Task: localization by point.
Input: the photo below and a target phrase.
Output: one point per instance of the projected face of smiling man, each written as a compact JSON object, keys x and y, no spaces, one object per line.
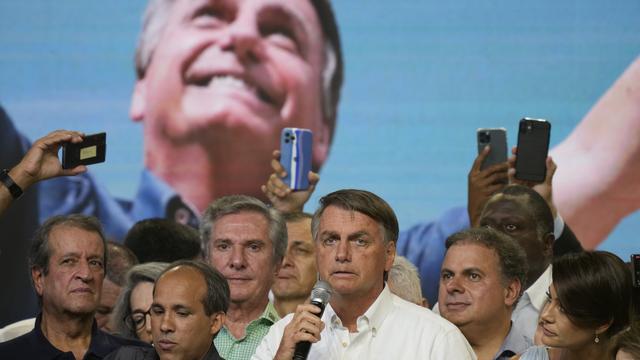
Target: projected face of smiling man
{"x":218,"y":80}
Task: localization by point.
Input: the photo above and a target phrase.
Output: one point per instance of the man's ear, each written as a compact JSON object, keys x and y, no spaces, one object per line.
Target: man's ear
{"x":321,"y":144}
{"x":138,"y":101}
{"x":512,"y":292}
{"x":391,"y":255}
{"x":37,"y":275}
{"x":217,"y":320}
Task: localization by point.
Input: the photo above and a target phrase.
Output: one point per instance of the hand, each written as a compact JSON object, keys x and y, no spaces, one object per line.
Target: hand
{"x":281,"y":196}
{"x":545,"y":188}
{"x":41,"y":161}
{"x":482,"y":184}
{"x":304,"y":326}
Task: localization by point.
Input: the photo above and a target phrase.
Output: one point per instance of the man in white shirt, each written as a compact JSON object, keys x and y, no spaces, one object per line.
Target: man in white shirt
{"x":355,"y":234}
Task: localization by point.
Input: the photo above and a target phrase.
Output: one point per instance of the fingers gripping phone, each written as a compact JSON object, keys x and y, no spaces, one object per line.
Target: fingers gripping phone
{"x":533,"y":147}
{"x":91,"y":150}
{"x":295,"y":156}
{"x":496,"y":138}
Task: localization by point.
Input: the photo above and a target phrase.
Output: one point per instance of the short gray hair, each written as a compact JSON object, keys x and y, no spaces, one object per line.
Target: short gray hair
{"x":147,"y":272}
{"x":234,"y":204}
{"x":511,"y":257}
{"x":404,"y":280}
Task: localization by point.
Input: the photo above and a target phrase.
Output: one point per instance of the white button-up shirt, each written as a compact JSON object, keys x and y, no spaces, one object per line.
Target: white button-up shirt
{"x":391,"y":328}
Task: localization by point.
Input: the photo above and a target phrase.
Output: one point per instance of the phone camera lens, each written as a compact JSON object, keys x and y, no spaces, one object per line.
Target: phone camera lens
{"x":485,"y":137}
{"x":293,"y":137}
{"x":286,"y":141}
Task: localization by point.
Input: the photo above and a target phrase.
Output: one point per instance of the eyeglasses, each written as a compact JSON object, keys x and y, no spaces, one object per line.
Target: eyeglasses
{"x":136,"y":320}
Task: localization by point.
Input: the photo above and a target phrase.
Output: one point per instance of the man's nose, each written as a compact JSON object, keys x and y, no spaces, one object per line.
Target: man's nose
{"x":343,"y":251}
{"x":83,"y":271}
{"x":238,"y":259}
{"x":166,"y":322}
{"x":453,"y":285}
{"x":243,"y":38}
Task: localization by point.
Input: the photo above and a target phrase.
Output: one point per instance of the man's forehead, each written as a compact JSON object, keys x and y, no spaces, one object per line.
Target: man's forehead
{"x":513,"y":205}
{"x":68,"y":238}
{"x":470,"y":255}
{"x":184,"y":278}
{"x":302,"y":10}
{"x":245,"y":221}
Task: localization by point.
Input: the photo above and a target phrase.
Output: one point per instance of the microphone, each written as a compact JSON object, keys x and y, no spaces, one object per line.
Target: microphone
{"x":319,"y":297}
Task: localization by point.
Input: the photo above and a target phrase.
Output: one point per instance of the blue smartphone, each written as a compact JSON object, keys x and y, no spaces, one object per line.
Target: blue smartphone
{"x":295,"y":156}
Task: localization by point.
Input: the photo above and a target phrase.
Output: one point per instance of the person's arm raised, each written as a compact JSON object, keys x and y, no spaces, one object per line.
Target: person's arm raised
{"x":40,"y":163}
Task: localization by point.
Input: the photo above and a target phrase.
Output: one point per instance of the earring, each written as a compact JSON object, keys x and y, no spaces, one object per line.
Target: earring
{"x":597,"y":339}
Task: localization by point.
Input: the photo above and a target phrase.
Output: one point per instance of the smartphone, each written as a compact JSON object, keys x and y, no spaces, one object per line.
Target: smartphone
{"x":635,"y":269}
{"x":496,"y":138}
{"x":295,"y":156}
{"x":533,"y":146}
{"x":91,"y":150}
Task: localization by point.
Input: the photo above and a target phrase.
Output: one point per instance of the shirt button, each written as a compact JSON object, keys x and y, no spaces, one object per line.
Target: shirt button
{"x":344,"y":344}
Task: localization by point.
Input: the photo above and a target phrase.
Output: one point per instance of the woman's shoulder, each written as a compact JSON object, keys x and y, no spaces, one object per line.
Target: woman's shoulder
{"x":535,"y":353}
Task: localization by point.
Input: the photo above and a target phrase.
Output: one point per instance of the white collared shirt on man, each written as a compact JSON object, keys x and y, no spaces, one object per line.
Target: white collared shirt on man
{"x":391,"y":328}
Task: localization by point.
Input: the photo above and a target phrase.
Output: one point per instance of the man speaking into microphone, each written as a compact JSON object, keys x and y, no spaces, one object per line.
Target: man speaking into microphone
{"x":355,"y":235}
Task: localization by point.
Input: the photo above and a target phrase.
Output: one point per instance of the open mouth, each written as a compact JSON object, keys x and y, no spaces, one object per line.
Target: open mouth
{"x":229,"y":81}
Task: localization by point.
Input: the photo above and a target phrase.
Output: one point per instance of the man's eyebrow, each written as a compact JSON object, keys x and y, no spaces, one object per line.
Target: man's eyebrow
{"x":358,"y":234}
{"x":472,"y":270}
{"x":178,"y":307}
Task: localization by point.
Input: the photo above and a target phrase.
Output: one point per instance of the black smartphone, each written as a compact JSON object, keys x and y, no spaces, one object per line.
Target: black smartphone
{"x":533,"y":147}
{"x":496,"y":138}
{"x":91,"y":150}
{"x":635,"y":269}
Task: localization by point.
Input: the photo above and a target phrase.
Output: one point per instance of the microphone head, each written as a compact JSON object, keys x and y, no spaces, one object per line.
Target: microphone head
{"x":321,"y":292}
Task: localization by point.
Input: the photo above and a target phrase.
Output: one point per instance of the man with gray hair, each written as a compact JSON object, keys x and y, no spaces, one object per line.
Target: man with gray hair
{"x":67,"y":260}
{"x":246,"y":241}
{"x":355,"y":234}
{"x":482,"y":278}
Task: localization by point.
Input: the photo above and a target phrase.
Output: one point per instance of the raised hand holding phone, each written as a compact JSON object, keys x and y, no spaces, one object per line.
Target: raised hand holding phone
{"x":295,"y":156}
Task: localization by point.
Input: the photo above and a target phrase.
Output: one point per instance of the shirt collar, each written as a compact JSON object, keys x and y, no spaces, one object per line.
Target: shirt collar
{"x":99,"y":344}
{"x":270,"y":314}
{"x":156,"y":199}
{"x":372,"y":318}
{"x":514,"y":343}
{"x":538,"y":290}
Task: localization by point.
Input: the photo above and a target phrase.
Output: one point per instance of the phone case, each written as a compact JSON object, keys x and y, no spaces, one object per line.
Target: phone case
{"x":295,"y":156}
{"x":92,"y":150}
{"x":533,"y":146}
{"x":496,"y":138}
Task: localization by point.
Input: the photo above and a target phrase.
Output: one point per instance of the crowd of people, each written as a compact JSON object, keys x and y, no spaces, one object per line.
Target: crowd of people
{"x":215,"y":258}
